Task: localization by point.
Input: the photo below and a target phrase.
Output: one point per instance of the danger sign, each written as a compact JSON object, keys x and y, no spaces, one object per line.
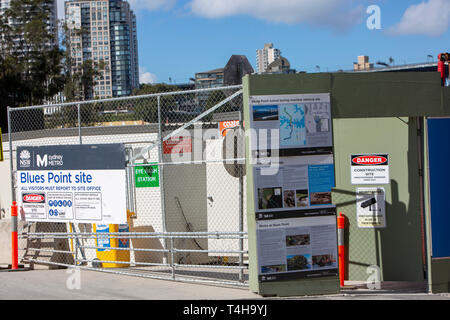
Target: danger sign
{"x":370,"y":169}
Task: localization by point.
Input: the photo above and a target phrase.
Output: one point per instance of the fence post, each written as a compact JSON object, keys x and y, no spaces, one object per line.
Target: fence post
{"x":11,"y":161}
{"x":79,"y":123}
{"x":76,"y":250}
{"x":14,"y":209}
{"x":161,"y":176}
{"x":241,"y":202}
{"x":172,"y":253}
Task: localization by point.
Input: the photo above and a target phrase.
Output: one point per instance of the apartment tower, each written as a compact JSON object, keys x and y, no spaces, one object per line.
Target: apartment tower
{"x":266,"y":56}
{"x":105,"y":32}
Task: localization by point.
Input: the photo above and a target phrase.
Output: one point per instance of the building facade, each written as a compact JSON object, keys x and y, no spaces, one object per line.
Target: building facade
{"x":280,"y":65}
{"x":104,"y":32}
{"x":209,"y":79}
{"x":266,"y":56}
{"x":363,"y":64}
{"x":50,"y":21}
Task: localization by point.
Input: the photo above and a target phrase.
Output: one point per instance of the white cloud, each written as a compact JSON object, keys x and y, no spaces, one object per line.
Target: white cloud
{"x":146,"y":77}
{"x":331,"y":13}
{"x":430,"y":17}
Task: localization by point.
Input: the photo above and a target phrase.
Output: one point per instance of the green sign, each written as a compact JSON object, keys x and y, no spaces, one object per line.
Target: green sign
{"x":146,"y":177}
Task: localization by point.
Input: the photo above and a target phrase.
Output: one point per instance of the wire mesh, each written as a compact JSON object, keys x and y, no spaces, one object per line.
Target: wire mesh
{"x":364,"y":249}
{"x":177,"y":182}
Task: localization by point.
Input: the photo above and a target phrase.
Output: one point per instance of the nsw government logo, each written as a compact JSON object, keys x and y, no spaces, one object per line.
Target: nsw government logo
{"x":25,"y":159}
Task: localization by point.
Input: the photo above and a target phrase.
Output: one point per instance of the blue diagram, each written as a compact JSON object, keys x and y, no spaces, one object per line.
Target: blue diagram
{"x":292,"y":125}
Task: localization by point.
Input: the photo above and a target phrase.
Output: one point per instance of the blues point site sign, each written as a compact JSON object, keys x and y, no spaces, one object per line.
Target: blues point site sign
{"x":72,"y":183}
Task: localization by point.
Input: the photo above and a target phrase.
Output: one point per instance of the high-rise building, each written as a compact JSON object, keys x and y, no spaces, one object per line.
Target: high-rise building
{"x":362,"y":64}
{"x":105,"y":31}
{"x":50,"y":21}
{"x":266,"y":56}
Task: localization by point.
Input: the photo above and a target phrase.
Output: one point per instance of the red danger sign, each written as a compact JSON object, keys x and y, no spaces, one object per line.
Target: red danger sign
{"x":370,"y":169}
{"x":369,"y":160}
{"x":33,"y":198}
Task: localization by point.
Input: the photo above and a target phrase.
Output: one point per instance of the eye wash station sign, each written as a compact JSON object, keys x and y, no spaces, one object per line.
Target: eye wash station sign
{"x":72,"y":183}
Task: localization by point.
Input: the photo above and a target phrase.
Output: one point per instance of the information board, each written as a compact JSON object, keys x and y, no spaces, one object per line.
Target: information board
{"x":72,"y":183}
{"x":302,"y":123}
{"x":293,"y":175}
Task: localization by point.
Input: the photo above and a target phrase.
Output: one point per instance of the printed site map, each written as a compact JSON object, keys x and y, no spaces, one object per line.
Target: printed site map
{"x":292,"y":125}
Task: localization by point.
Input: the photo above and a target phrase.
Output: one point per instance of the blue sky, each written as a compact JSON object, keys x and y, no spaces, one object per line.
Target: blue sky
{"x":178,"y":38}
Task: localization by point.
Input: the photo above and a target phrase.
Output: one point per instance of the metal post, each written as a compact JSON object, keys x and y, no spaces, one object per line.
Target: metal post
{"x":76,"y":251}
{"x":241,"y":202}
{"x":79,"y":124}
{"x":172,"y":254}
{"x":161,"y":176}
{"x":127,"y":177}
{"x":11,"y":163}
{"x":130,"y":180}
{"x":14,"y":209}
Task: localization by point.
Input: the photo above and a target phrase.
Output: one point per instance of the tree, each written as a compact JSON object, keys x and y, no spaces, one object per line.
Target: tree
{"x":213,"y":99}
{"x":30,"y":61}
{"x":147,"y":109}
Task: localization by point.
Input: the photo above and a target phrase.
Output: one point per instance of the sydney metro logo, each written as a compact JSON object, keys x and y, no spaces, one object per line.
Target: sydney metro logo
{"x":370,"y":160}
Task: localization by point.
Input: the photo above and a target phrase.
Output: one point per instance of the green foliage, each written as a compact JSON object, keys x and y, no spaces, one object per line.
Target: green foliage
{"x":34,"y":69}
{"x":30,"y":66}
{"x":147,"y":109}
{"x":154,"y":88}
{"x":213,"y":99}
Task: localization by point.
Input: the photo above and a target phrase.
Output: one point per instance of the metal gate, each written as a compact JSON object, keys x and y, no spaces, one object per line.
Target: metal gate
{"x":187,"y":223}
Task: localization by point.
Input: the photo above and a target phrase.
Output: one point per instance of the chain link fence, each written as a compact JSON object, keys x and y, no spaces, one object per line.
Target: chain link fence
{"x":186,"y":222}
{"x":364,"y":250}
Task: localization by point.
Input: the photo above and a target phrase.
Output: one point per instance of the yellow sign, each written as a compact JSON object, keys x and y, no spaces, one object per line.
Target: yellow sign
{"x":1,"y":146}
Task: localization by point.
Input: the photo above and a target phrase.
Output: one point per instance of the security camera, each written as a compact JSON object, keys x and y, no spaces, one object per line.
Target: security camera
{"x":368,"y":203}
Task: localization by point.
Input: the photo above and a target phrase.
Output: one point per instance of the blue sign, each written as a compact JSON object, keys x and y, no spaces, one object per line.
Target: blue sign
{"x":438,"y":154}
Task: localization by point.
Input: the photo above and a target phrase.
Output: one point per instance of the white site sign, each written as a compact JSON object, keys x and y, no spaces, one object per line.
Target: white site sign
{"x":369,"y":169}
{"x":72,"y":183}
{"x":371,"y":207}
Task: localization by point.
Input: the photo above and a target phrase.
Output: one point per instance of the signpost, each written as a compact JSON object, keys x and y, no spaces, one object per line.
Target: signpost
{"x":72,"y":183}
